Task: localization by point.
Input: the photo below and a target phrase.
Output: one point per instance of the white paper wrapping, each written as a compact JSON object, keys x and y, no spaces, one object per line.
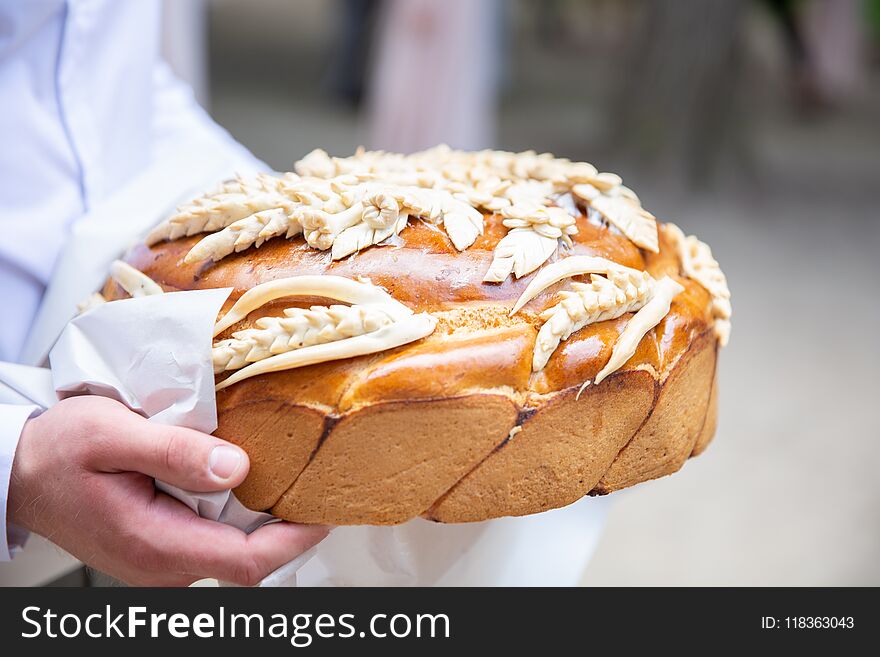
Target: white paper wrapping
{"x":153,"y":354}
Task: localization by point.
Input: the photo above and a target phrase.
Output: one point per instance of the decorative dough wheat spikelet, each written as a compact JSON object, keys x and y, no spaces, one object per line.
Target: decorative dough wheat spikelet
{"x":654,"y":300}
{"x":698,"y":264}
{"x":651,"y":314}
{"x":355,"y":292}
{"x":231,"y":201}
{"x":276,"y":215}
{"x":298,"y":328}
{"x":261,"y":182}
{"x":587,"y":303}
{"x":398,"y":332}
{"x":375,"y":322}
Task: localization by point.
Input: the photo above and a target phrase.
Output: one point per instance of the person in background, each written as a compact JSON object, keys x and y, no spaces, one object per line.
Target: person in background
{"x":90,"y":105}
{"x":434,"y":75}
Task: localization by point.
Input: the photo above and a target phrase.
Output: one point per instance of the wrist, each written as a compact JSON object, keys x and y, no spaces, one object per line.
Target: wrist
{"x":21,"y":479}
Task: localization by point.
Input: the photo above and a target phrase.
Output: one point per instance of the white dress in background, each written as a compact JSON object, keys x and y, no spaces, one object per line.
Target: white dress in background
{"x":434,"y":75}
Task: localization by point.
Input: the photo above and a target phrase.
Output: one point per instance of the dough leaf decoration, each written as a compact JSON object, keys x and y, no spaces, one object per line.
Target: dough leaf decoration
{"x":133,"y":281}
{"x":535,"y":233}
{"x":621,"y":207}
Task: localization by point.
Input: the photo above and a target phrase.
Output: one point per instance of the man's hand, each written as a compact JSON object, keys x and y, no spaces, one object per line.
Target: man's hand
{"x":83,"y":478}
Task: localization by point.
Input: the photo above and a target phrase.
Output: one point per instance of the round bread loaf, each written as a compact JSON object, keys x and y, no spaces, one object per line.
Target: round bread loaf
{"x":460,"y":425}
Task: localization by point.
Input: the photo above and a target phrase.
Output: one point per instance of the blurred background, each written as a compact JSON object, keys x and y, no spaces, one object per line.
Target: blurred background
{"x":753,"y":123}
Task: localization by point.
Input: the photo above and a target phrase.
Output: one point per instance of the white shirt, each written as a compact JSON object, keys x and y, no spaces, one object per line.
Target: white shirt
{"x":88,"y":105}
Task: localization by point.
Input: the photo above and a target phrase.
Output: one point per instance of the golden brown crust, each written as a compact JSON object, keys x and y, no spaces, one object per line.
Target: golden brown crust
{"x":387,"y":463}
{"x":427,"y":273}
{"x":668,"y":437}
{"x":565,"y":445}
{"x":710,"y":424}
{"x":486,"y":360}
{"x":279,"y":438}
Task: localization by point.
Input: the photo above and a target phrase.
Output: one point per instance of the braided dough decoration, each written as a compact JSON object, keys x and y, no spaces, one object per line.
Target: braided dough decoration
{"x":588,"y":303}
{"x":230,"y":202}
{"x":643,"y":321}
{"x":375,"y":322}
{"x":698,"y":264}
{"x":298,"y":328}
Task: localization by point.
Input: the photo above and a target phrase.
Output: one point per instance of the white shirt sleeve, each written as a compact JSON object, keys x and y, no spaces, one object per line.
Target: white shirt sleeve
{"x":12,"y":419}
{"x":177,"y":115}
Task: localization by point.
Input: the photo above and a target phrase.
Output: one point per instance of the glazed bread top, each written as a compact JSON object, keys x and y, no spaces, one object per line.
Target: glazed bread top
{"x":477,"y":345}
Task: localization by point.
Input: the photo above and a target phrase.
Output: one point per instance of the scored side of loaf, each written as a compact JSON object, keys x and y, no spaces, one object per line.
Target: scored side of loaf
{"x":629,"y":429}
{"x":711,"y":423}
{"x":668,"y":438}
{"x":387,"y":463}
{"x":563,"y":449}
{"x":451,"y":459}
{"x":279,"y":438}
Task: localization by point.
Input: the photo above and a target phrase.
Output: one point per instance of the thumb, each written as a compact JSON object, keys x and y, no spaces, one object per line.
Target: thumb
{"x":182,"y":457}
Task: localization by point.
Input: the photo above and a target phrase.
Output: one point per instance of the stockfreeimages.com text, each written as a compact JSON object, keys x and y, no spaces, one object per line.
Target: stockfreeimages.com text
{"x":299,"y":629}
